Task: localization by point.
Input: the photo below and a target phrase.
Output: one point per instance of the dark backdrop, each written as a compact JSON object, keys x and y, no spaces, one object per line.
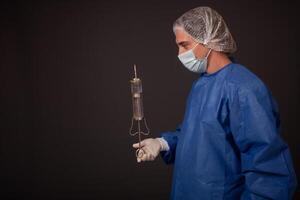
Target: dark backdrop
{"x":65,"y":96}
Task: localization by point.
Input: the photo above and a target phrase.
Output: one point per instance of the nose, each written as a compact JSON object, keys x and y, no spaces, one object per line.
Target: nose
{"x":181,"y":50}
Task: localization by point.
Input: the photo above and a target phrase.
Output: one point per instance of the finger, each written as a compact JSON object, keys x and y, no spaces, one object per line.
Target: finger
{"x":152,"y":157}
{"x":137,"y":145}
{"x":146,"y":149}
{"x":144,"y":157}
{"x":149,"y":157}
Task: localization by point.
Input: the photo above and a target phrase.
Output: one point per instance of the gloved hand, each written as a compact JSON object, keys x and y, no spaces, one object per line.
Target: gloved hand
{"x":151,"y":148}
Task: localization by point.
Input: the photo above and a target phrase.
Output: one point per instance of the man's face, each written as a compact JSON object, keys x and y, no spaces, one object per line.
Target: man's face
{"x":185,"y":42}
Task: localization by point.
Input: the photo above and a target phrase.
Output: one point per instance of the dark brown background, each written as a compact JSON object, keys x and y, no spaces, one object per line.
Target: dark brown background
{"x":65,"y":97}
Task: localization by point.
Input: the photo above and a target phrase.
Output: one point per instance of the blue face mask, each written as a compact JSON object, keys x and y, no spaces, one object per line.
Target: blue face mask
{"x":189,"y":60}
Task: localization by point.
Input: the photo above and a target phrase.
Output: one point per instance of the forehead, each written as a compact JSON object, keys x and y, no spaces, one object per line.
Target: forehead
{"x":181,"y":36}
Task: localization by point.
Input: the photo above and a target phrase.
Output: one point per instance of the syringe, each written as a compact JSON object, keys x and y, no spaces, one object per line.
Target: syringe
{"x":138,"y":112}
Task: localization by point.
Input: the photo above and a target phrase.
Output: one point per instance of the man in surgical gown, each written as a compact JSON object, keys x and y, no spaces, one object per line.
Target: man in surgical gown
{"x":228,"y":145}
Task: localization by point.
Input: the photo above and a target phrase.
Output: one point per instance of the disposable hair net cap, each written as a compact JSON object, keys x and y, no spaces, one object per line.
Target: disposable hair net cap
{"x":207,"y":27}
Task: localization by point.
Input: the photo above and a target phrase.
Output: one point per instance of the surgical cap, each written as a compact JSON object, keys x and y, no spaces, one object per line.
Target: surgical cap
{"x":207,"y":27}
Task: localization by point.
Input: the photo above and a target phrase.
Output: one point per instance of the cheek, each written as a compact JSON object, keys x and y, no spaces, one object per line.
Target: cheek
{"x":198,"y":54}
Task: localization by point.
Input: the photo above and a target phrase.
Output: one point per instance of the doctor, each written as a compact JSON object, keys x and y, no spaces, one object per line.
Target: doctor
{"x":228,"y":145}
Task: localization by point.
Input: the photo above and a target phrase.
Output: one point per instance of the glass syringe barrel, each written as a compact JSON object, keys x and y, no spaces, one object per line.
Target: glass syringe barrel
{"x":137,"y":99}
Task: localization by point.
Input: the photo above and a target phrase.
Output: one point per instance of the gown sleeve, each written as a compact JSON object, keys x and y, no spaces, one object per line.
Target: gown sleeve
{"x":171,"y":138}
{"x":265,"y":158}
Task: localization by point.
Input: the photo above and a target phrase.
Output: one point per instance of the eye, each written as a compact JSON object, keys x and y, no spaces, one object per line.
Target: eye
{"x":185,"y":46}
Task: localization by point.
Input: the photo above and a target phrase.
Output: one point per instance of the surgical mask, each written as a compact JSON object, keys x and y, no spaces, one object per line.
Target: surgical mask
{"x":189,"y":60}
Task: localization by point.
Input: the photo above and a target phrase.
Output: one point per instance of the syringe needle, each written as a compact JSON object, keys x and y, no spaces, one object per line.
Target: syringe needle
{"x":134,"y":66}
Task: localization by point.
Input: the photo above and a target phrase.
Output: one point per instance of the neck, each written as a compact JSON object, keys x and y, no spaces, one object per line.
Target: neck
{"x":216,"y":61}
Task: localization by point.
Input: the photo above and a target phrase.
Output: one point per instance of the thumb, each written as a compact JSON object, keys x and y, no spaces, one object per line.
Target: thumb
{"x":137,"y":145}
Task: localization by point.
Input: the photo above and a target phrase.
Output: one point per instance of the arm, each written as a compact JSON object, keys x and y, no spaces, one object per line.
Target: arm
{"x":171,"y":138}
{"x":265,"y":158}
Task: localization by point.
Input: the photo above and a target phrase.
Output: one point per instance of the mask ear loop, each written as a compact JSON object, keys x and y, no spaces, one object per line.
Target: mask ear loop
{"x":195,"y":46}
{"x":208,"y":53}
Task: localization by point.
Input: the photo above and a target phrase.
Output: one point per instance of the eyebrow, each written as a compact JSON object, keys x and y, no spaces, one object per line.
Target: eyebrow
{"x":182,"y":43}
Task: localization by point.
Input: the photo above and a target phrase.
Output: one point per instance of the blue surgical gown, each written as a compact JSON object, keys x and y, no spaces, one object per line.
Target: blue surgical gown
{"x":228,"y":145}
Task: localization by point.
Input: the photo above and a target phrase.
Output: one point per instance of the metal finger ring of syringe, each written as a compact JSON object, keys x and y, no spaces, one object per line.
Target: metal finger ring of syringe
{"x":138,"y":113}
